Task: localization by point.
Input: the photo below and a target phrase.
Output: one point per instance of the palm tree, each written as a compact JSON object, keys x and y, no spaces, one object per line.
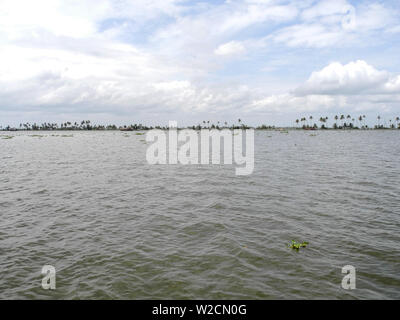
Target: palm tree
{"x":348,"y":118}
{"x":397,"y":122}
{"x":297,"y":122}
{"x":336,"y":119}
{"x":322,"y":120}
{"x":360,"y":121}
{"x":379,"y":121}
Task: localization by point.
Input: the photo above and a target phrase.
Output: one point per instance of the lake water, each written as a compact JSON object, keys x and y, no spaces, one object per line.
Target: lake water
{"x":115,"y":227}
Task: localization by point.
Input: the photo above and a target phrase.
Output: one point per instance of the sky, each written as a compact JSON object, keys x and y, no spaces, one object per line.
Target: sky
{"x":143,"y":61}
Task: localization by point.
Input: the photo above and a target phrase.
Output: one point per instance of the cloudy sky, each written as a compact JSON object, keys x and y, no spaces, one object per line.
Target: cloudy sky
{"x":150,"y":61}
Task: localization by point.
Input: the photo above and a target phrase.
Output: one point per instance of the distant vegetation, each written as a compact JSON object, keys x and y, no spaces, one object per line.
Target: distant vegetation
{"x":346,"y":122}
{"x":88,"y":125}
{"x":305,"y":123}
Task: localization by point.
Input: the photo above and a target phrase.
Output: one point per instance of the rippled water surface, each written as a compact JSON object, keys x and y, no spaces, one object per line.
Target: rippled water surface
{"x":115,"y":227}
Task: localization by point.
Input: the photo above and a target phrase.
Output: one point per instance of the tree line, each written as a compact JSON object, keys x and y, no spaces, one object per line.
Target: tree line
{"x":346,"y":122}
{"x":338,"y":122}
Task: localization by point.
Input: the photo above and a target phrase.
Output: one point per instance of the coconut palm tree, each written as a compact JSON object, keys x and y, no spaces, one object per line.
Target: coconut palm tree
{"x":342,"y":119}
{"x":322,"y":120}
{"x":379,"y":121}
{"x":360,"y":118}
{"x":348,"y":118}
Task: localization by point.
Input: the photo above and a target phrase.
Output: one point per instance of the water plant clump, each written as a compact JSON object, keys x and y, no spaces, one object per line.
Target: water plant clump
{"x":297,"y":245}
{"x":7,"y":137}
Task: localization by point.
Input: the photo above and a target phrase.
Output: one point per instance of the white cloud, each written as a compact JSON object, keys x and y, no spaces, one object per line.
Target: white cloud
{"x":287,"y":102}
{"x":76,"y":19}
{"x":172,"y":85}
{"x":392,"y":85}
{"x":257,"y":12}
{"x":310,"y":35}
{"x":395,"y":29}
{"x":325,"y":8}
{"x":353,"y":78}
{"x":337,"y":23}
{"x":374,"y":17}
{"x":22,"y":19}
{"x":291,"y":104}
{"x":230,"y":48}
{"x":353,"y":87}
{"x":199,"y":35}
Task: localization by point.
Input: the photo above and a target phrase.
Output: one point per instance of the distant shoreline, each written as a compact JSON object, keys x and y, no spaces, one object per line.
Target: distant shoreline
{"x":339,"y":123}
{"x":278,"y":129}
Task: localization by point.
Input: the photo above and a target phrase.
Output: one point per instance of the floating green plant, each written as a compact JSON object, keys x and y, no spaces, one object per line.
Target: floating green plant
{"x":67,"y":135}
{"x":7,"y":137}
{"x":36,"y":136}
{"x":139,"y":133}
{"x":296,"y":245}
